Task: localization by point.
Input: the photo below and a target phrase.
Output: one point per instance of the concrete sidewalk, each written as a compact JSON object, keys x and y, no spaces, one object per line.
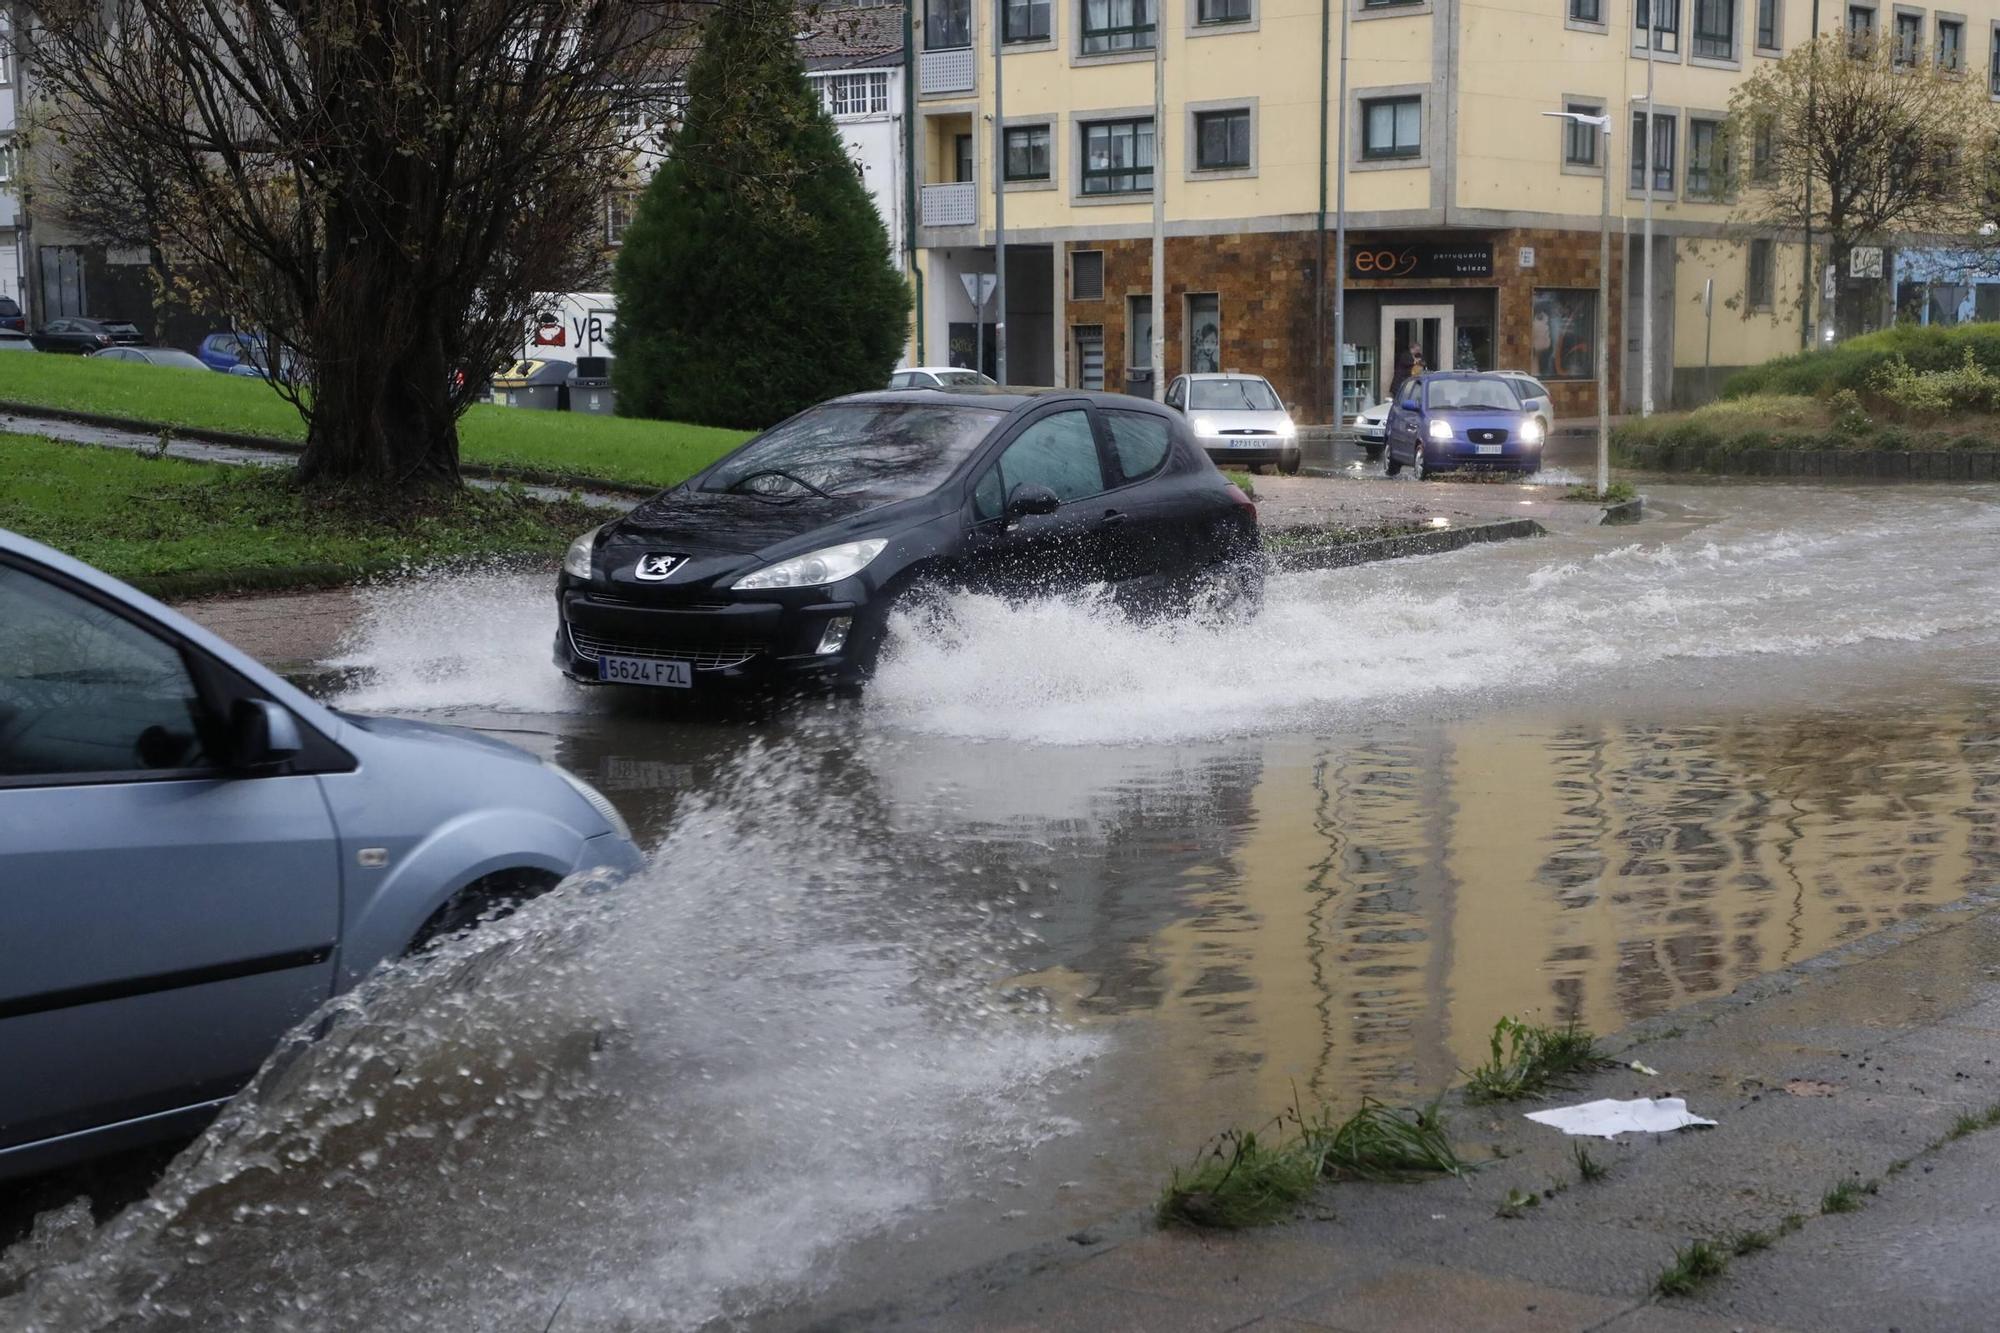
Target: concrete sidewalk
{"x":1853,"y":1066}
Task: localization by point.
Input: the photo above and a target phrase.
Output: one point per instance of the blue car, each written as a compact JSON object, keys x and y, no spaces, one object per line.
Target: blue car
{"x":1457,"y":419}
{"x":224,"y":351}
{"x":194,"y":856}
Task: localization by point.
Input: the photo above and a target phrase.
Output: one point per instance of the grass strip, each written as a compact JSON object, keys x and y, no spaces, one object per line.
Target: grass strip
{"x":564,"y":446}
{"x":172,"y":524}
{"x":1527,"y":1060}
{"x":1695,"y":1265}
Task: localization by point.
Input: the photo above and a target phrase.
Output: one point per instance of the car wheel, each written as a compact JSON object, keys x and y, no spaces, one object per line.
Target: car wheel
{"x":1290,"y":463}
{"x":920,"y":597}
{"x":484,"y":900}
{"x":1395,"y":465}
{"x":1417,"y":463}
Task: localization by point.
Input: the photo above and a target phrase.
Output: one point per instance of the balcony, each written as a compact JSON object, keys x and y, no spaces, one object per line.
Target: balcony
{"x":949,"y":205}
{"x":947,"y":71}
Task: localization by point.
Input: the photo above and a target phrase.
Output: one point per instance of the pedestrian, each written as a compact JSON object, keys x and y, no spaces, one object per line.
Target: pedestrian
{"x":1409,"y":362}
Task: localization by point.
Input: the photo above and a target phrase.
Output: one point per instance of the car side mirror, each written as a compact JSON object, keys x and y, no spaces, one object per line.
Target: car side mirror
{"x":1031,"y":497}
{"x":1409,"y":405}
{"x":261,"y":734}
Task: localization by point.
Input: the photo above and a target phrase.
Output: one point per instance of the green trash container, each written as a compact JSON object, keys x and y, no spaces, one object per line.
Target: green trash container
{"x":540,"y":386}
{"x":590,"y":389}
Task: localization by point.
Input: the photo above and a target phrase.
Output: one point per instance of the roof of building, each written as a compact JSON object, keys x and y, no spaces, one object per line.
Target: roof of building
{"x":853,"y":36}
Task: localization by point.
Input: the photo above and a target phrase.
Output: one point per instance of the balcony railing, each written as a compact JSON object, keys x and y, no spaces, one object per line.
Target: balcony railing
{"x":948,"y":71}
{"x":949,"y":205}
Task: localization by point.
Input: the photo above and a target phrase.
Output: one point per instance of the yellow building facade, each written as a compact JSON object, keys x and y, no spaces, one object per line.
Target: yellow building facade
{"x":1473,"y":215}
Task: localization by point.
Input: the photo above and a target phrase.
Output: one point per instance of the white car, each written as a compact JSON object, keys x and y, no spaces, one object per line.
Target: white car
{"x":1535,"y":397}
{"x":937,"y":377}
{"x":1371,"y":429}
{"x":1238,"y":420}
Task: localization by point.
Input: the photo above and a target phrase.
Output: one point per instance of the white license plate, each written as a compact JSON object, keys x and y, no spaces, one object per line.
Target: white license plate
{"x":646,"y":671}
{"x":1245,"y":443}
{"x":1489,"y":448}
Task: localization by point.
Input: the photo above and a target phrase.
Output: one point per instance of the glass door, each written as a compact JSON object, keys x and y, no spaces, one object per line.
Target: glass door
{"x":1428,"y":329}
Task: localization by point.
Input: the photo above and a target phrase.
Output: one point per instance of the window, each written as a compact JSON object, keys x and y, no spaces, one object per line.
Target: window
{"x":1204,"y":333}
{"x":618,"y":210}
{"x":87,"y":691}
{"x":1586,"y":11}
{"x":1086,"y":276}
{"x":1221,"y":11}
{"x":1027,"y":153}
{"x":1860,"y":25}
{"x":895,"y":451}
{"x":1993,"y":76}
{"x":1565,"y":335}
{"x":1117,"y":25}
{"x":1763,"y":152}
{"x":1662,"y":18}
{"x":1391,"y":127}
{"x":1139,"y":320}
{"x":1025,"y":21}
{"x":947,"y":24}
{"x":1909,"y":39}
{"x":1139,"y":442}
{"x":1387,"y":4}
{"x":1664,"y":142}
{"x":1058,"y":452}
{"x":1088,"y":339}
{"x":1580,"y":140}
{"x":856,"y":94}
{"x":1715,"y":29}
{"x":1757,"y":278}
{"x":962,"y":158}
{"x":7,"y":164}
{"x":1950,"y":45}
{"x":1708,"y":168}
{"x":1767,"y":25}
{"x":1118,"y":157}
{"x":1222,"y":140}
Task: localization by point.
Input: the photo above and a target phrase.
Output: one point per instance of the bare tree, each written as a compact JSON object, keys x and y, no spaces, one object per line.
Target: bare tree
{"x":383,"y":188}
{"x":1860,"y":142}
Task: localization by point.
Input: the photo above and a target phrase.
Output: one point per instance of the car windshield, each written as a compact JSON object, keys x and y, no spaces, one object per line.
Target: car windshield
{"x":1493,"y":395}
{"x":1232,"y":396}
{"x":961,"y":377}
{"x":892,"y":450}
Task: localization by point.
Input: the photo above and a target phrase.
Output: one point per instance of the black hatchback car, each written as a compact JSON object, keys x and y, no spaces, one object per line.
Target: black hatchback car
{"x":85,"y":335}
{"x":785,"y":558}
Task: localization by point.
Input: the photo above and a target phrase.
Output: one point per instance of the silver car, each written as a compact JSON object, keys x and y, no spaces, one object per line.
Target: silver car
{"x":194,"y":856}
{"x":1238,"y":419}
{"x":1535,"y":398}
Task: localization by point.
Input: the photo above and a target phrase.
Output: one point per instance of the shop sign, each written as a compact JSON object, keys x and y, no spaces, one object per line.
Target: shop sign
{"x":1420,"y":261}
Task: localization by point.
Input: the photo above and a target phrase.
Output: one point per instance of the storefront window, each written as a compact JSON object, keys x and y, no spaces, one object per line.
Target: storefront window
{"x":1474,"y":350}
{"x":1565,"y":335}
{"x":1204,"y":334}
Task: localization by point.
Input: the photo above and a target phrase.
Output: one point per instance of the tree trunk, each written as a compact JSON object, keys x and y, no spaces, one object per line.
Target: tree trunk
{"x":382,"y":418}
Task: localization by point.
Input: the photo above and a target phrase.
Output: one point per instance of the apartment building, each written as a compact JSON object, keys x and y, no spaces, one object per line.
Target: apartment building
{"x":13,"y":258}
{"x":1473,"y":216}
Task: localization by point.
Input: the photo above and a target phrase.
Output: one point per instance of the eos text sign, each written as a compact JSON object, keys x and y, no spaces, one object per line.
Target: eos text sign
{"x":1420,"y":261}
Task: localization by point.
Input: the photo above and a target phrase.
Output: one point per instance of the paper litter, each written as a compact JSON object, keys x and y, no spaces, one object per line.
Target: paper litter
{"x":1609,"y":1118}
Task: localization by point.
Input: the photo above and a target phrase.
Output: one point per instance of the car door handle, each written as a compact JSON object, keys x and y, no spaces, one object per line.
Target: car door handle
{"x":1113,"y":518}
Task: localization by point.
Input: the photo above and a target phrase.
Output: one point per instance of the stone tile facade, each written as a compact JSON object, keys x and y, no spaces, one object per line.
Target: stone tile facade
{"x":1265,"y":282}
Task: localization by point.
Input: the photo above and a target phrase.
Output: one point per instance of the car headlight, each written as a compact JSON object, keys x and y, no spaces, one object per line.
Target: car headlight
{"x":1287,"y":430}
{"x":1204,"y":426}
{"x":1531,"y":431}
{"x":597,"y":801}
{"x":1440,"y":430}
{"x":577,"y":560}
{"x":828,"y":565}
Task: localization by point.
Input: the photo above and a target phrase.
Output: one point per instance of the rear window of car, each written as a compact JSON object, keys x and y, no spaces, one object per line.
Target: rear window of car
{"x":8,"y":309}
{"x":1140,"y":441}
{"x":1494,"y":393}
{"x":1232,"y":395}
{"x":892,"y":451}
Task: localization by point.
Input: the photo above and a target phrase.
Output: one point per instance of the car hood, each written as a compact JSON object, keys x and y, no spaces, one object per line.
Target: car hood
{"x":1237,"y":419}
{"x":1481,"y":418}
{"x":705,"y":524}
{"x":432,"y":733}
{"x":1375,"y":415}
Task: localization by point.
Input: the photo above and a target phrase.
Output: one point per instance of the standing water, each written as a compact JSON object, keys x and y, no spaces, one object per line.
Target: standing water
{"x":918,"y":981}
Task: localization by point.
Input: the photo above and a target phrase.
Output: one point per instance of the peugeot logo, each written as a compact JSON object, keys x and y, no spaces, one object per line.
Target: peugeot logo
{"x":654,"y":568}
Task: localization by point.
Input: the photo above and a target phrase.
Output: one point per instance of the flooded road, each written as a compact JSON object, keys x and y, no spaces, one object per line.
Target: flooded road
{"x":922,"y":979}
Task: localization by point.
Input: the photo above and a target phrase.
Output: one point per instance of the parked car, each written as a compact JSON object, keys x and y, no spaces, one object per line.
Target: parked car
{"x":79,"y":335}
{"x":936,"y":377}
{"x":197,"y":855}
{"x":1239,"y":419}
{"x":224,"y":350}
{"x":1535,"y":397}
{"x":151,"y":356}
{"x":1370,"y":429}
{"x":1462,"y":419}
{"x":11,"y":318}
{"x":784,"y":559}
{"x":252,"y":366}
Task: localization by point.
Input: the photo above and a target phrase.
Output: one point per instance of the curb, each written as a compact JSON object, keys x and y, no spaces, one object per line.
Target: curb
{"x":1625,"y":511}
{"x":1857,"y":464}
{"x":1341,"y":555}
{"x":267,"y":444}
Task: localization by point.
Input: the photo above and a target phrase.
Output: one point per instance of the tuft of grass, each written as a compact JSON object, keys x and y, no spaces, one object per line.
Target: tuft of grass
{"x":1793,"y":1222}
{"x":1587,"y":1167}
{"x":1848,"y":1196}
{"x":1750,"y":1242}
{"x":1240,"y":1181}
{"x":1528,"y":1060}
{"x":1517,"y":1203}
{"x":1618,"y":492}
{"x":1380,"y":1142}
{"x":1974,"y":1121}
{"x":1694,"y":1266}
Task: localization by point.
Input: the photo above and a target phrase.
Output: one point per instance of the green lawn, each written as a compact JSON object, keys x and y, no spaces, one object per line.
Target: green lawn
{"x":178,"y":527}
{"x":554,"y":444}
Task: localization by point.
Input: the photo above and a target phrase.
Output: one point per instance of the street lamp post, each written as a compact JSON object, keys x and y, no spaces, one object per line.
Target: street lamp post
{"x":1603,"y":127}
{"x":1646,"y":261}
{"x":1158,"y":351}
{"x":999,"y":198}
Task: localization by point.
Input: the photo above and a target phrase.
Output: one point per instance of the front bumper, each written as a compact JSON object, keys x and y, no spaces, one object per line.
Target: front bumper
{"x":723,"y":642}
{"x":1265,"y":449}
{"x":1458,"y":455}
